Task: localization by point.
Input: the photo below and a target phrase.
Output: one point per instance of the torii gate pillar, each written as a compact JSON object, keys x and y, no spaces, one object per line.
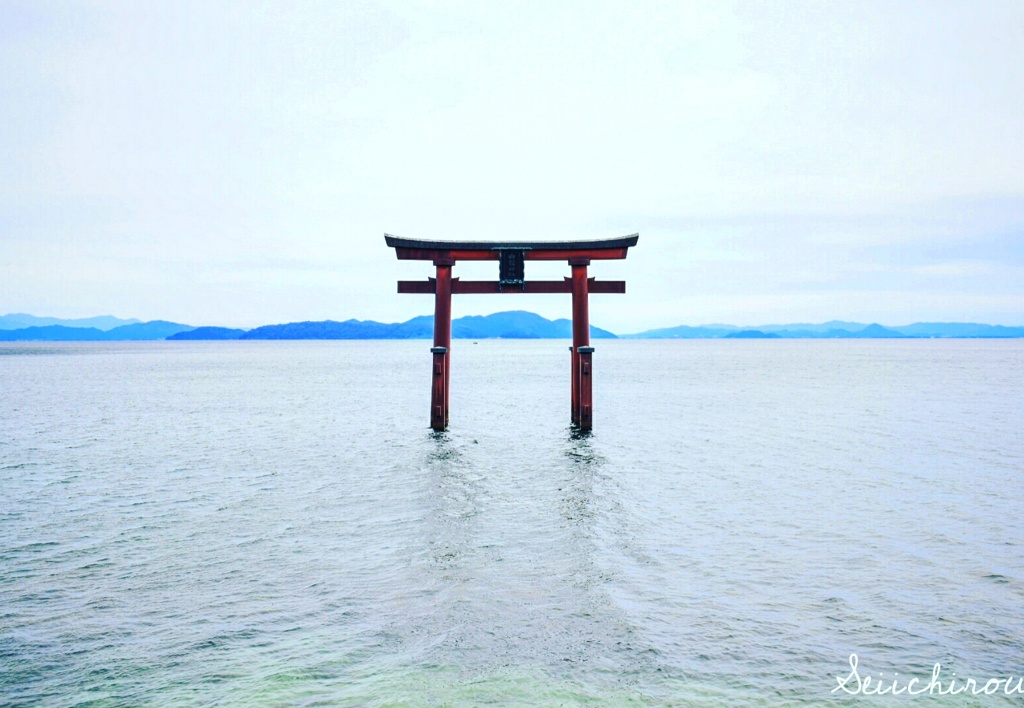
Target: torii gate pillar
{"x":511,"y":257}
{"x":582,"y":352}
{"x":442,"y":344}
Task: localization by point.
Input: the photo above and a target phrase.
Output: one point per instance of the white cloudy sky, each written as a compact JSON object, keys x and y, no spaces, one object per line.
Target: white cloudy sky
{"x":238,"y":164}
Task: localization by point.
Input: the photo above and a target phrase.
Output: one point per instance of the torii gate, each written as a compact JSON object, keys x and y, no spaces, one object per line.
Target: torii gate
{"x":511,"y":257}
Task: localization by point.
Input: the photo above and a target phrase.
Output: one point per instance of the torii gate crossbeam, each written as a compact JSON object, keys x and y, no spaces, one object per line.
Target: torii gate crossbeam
{"x":511,"y":256}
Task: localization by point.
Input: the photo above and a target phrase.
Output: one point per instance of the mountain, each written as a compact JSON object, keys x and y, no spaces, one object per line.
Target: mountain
{"x":142,"y":331}
{"x":958,"y":329}
{"x":328,"y":329}
{"x":505,"y":325}
{"x":208,"y":333}
{"x":20,"y":320}
{"x":421,"y":327}
{"x":157,"y":329}
{"x":517,"y":324}
{"x":817,"y":333}
{"x":751,"y":334}
{"x":877,"y":331}
{"x":53,"y":333}
{"x":825,"y":328}
{"x":685,"y":332}
{"x":837,"y":330}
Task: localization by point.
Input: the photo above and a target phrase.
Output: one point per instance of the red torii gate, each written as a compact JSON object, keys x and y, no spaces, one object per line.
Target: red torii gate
{"x":511,"y":257}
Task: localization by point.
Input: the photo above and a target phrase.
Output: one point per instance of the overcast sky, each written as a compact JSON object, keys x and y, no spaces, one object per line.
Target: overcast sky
{"x":238,"y":164}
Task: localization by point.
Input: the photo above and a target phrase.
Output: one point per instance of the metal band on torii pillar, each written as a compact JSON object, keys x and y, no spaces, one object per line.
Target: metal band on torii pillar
{"x":512,"y":256}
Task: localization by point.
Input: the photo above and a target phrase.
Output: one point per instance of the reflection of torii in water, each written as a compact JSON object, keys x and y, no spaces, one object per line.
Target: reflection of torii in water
{"x":511,"y":257}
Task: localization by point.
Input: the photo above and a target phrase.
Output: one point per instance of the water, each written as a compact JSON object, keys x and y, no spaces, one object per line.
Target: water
{"x":272,"y":523}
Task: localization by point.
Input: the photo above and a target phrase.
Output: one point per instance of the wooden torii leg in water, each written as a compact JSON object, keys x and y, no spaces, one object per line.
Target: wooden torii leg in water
{"x":582,"y":353}
{"x":442,"y":345}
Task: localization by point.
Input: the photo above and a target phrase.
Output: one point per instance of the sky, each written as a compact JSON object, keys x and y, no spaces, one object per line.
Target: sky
{"x":238,"y":164}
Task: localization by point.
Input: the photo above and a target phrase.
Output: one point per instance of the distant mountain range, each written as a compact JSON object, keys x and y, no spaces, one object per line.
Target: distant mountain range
{"x":508,"y":325}
{"x":141,"y":331}
{"x":505,"y":325}
{"x":21,"y":321}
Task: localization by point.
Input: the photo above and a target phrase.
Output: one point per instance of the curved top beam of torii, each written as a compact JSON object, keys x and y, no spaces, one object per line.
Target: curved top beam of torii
{"x":421,"y":250}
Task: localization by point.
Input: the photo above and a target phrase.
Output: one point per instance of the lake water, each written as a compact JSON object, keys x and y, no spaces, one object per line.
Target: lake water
{"x":273,"y":523}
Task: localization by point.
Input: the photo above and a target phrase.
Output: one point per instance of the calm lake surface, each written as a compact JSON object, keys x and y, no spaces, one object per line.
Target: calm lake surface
{"x":273,"y":523}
